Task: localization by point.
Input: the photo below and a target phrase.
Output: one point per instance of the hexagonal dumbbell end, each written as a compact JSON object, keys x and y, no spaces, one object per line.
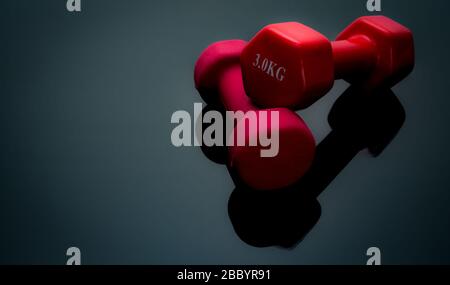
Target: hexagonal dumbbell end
{"x":393,"y":48}
{"x":210,"y":65}
{"x":287,"y":64}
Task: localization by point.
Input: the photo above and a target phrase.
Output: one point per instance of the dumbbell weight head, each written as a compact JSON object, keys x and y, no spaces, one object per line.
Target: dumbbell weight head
{"x":210,"y":65}
{"x":394,"y":50}
{"x":287,"y":65}
{"x":218,"y":77}
{"x":295,"y":154}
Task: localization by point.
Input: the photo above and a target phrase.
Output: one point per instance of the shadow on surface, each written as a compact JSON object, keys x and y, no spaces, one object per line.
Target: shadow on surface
{"x":359,"y":120}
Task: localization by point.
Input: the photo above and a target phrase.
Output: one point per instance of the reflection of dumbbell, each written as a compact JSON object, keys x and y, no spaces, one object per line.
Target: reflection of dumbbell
{"x":292,"y":65}
{"x":218,"y":73}
{"x":284,"y":217}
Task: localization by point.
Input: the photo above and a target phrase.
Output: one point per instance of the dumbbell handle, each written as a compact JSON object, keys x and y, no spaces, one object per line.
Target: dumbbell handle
{"x":232,"y":94}
{"x":353,"y":56}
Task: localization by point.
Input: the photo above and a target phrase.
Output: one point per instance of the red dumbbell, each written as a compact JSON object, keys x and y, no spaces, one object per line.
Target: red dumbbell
{"x":218,"y":71}
{"x":292,"y":65}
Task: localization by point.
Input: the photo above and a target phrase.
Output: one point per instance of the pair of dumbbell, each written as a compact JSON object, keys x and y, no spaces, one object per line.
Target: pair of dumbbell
{"x":289,"y":66}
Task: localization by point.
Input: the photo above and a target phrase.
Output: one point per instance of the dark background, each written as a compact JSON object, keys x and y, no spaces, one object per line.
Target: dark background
{"x":86,"y":158}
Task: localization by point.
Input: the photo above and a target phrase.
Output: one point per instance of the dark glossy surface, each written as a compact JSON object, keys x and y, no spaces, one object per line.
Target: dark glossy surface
{"x":86,"y":158}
